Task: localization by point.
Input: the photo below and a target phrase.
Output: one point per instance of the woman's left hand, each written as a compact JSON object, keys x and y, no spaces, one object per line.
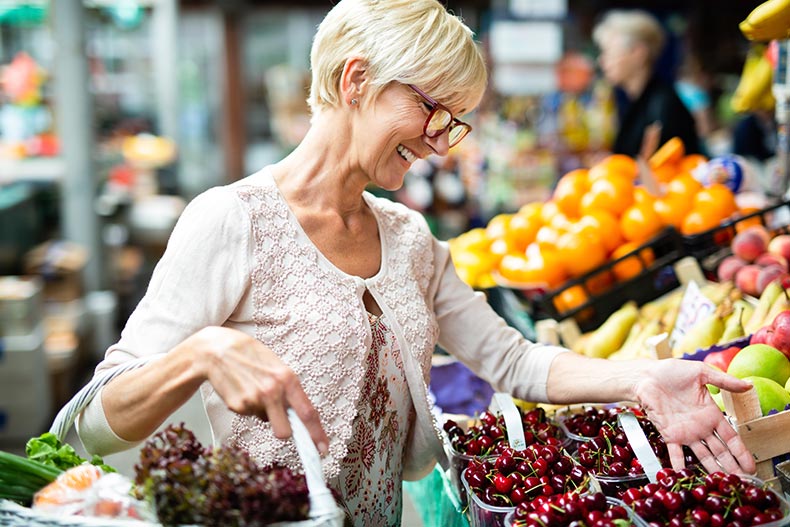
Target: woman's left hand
{"x":676,"y":399}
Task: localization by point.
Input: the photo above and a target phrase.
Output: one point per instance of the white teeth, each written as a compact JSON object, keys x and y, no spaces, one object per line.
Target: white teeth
{"x":406,"y":154}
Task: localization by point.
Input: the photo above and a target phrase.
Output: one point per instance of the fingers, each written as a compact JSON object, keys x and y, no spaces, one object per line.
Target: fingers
{"x":723,"y":450}
{"x":740,"y":454}
{"x":676,"y":457}
{"x":301,"y":404}
{"x":726,"y":382}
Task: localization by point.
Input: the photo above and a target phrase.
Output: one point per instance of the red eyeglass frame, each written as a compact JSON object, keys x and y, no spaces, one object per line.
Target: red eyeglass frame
{"x":436,"y":106}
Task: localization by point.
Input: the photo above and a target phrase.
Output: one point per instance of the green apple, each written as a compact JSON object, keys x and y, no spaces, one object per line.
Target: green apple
{"x":772,"y":395}
{"x":761,"y":360}
{"x":718,"y":400}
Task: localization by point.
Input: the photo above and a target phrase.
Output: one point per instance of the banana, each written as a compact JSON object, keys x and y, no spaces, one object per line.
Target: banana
{"x":768,"y":21}
{"x":754,"y":87}
{"x":609,"y":337}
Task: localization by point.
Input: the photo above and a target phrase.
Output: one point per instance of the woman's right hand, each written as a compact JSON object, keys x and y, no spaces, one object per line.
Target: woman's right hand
{"x":252,"y":380}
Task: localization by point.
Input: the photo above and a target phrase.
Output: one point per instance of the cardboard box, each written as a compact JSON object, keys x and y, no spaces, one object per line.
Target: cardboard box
{"x":20,"y":305}
{"x":59,"y":264}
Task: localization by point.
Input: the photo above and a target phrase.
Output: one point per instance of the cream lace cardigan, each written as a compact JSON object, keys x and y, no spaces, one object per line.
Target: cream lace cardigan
{"x":239,"y":258}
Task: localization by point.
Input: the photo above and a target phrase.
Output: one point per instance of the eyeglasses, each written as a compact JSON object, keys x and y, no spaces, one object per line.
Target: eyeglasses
{"x":441,"y":119}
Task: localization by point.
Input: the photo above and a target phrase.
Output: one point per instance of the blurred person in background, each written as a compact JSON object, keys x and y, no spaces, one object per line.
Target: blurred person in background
{"x":649,"y":109}
{"x":296,"y":288}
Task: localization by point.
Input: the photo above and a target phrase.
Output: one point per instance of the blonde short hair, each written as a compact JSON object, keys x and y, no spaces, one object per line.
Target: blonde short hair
{"x":636,"y":26}
{"x":409,"y":41}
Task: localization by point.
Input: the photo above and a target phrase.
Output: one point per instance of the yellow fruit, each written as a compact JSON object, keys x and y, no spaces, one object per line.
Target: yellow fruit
{"x":768,"y":21}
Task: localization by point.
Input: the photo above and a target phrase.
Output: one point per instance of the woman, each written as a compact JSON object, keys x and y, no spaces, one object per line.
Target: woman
{"x":649,"y":110}
{"x":295,"y":288}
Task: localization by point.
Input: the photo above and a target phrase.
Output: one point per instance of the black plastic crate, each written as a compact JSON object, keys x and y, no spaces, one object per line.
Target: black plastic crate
{"x":710,"y":246}
{"x":655,"y":279}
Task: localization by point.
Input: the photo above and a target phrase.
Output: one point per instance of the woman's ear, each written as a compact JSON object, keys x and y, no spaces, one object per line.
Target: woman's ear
{"x":353,"y":80}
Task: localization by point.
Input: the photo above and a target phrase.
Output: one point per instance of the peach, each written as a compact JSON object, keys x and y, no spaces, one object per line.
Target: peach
{"x":780,"y":246}
{"x":767,"y":275}
{"x":749,"y":244}
{"x":728,"y":267}
{"x":746,"y":279}
{"x":766,"y":259}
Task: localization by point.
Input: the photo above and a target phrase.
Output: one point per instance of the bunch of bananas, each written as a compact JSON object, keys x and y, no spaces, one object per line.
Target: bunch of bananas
{"x":768,"y":21}
{"x":754,"y":87}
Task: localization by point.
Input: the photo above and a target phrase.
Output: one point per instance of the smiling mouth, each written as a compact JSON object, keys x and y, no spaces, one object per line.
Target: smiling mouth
{"x":406,"y":154}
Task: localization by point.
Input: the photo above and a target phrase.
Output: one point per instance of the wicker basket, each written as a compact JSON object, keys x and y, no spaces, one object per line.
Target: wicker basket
{"x":324,"y":512}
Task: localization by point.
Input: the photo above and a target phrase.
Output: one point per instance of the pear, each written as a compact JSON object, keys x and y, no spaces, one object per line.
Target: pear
{"x":782,"y":303}
{"x":704,"y":334}
{"x":611,"y":335}
{"x":764,"y":303}
{"x":733,"y":326}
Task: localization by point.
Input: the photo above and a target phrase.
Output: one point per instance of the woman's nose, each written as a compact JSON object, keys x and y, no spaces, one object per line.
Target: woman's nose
{"x":441,"y":143}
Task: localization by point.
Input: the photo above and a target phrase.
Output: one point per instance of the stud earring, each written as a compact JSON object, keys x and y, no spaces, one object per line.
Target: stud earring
{"x":354,"y":102}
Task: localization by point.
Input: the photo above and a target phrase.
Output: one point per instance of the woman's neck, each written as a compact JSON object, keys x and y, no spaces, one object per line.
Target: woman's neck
{"x":635,"y":84}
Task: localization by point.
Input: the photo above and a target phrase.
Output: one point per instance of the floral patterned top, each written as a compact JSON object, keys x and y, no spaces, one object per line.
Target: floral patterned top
{"x":370,"y":476}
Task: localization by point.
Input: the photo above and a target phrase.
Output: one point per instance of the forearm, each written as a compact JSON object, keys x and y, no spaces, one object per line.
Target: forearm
{"x":137,"y":402}
{"x":574,"y":378}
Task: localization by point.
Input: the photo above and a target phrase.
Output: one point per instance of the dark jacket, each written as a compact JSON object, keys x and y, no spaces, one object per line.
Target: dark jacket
{"x":658,"y":102}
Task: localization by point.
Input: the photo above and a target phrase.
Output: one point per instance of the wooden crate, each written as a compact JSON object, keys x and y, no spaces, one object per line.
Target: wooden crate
{"x":765,"y":437}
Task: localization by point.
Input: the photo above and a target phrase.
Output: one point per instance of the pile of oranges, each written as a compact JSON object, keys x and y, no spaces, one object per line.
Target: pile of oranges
{"x":594,"y":215}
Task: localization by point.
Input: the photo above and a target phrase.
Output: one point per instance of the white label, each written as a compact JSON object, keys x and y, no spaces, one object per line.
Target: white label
{"x":694,"y":307}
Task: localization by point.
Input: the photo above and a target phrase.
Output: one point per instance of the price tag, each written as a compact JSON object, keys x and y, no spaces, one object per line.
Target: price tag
{"x":693,"y":307}
{"x":515,"y":429}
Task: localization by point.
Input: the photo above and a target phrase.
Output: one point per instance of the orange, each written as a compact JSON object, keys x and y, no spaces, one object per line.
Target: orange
{"x":633,"y":265}
{"x":570,"y":298}
{"x":579,"y":253}
{"x":699,"y":220}
{"x":684,"y":185}
{"x":532,"y":210}
{"x":569,"y":191}
{"x":665,"y":173}
{"x":606,"y":225}
{"x":615,"y":164}
{"x":613,"y":194}
{"x":744,"y":224}
{"x":521,"y":231}
{"x":548,"y":211}
{"x":497,"y":226}
{"x":499,"y":248}
{"x":691,"y":161}
{"x":672,"y":209}
{"x":599,"y":282}
{"x":639,"y":223}
{"x":669,"y":153}
{"x":642,"y":196}
{"x":717,"y":199}
{"x":547,"y":236}
{"x":540,"y":267}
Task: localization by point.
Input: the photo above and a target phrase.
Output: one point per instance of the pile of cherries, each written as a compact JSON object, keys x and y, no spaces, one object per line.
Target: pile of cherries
{"x":608,"y":454}
{"x":518,"y":476}
{"x":588,"y":421}
{"x":570,"y":509}
{"x":692,"y":497}
{"x":489,"y":436}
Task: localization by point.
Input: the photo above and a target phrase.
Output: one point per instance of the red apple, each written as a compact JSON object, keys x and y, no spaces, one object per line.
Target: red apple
{"x":781,"y":333}
{"x":767,"y":259}
{"x":768,"y":275}
{"x":728,"y":267}
{"x":746,"y":279}
{"x":780,"y":245}
{"x":721,"y":359}
{"x":762,"y":335}
{"x":750,"y":244}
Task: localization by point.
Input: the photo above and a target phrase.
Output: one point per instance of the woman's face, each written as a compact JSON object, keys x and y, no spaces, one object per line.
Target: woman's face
{"x":392,"y":135}
{"x":619,"y":59}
